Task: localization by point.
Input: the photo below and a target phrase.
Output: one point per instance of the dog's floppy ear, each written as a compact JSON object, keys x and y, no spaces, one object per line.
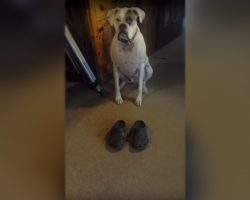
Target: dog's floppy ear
{"x":140,"y":13}
{"x":111,"y":15}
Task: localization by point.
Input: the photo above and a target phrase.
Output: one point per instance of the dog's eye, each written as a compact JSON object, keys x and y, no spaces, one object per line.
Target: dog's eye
{"x":129,"y":20}
{"x":118,"y":20}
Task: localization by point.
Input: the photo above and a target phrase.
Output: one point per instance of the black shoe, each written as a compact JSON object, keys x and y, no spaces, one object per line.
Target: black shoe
{"x":138,"y":136}
{"x":117,"y":135}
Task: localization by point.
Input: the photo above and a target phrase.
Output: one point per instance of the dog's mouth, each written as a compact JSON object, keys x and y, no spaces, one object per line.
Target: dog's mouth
{"x":123,"y":37}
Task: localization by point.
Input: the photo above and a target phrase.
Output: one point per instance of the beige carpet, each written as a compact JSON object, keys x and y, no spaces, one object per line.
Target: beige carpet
{"x":93,"y":172}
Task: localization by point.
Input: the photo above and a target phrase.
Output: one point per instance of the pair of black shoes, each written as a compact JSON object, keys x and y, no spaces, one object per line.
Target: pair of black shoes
{"x":137,"y":136}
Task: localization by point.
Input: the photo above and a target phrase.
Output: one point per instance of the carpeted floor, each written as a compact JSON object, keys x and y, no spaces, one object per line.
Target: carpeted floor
{"x":94,"y":172}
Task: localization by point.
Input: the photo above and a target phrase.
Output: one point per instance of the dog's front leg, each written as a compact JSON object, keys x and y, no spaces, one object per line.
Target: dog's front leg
{"x":138,"y":100}
{"x":118,"y":97}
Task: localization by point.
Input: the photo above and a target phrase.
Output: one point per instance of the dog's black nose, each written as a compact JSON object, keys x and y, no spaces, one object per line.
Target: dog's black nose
{"x":122,"y":27}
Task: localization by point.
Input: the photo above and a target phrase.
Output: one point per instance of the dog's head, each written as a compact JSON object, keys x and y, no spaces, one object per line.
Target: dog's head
{"x":124,"y":21}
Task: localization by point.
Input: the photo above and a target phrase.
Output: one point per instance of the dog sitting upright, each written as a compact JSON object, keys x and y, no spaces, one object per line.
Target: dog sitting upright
{"x":128,"y":51}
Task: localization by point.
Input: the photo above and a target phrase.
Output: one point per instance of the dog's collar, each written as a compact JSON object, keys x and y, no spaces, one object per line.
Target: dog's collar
{"x":129,"y":41}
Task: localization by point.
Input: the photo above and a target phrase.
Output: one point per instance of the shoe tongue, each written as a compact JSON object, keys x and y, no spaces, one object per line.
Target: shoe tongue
{"x":118,"y":130}
{"x":141,"y":131}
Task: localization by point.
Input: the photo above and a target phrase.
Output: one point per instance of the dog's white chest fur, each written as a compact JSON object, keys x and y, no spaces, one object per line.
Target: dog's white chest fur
{"x":128,"y":59}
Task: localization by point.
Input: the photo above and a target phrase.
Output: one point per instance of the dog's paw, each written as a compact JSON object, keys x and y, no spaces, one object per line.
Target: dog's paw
{"x":145,"y":90}
{"x":118,"y":100}
{"x":138,"y":101}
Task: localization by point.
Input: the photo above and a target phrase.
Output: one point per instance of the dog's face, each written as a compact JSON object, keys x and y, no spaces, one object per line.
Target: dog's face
{"x":124,"y":20}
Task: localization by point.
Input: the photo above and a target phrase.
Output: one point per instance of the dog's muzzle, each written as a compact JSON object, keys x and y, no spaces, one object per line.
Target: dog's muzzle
{"x":123,"y":37}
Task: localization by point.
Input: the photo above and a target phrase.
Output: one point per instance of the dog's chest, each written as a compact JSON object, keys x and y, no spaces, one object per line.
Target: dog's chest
{"x":128,"y":60}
